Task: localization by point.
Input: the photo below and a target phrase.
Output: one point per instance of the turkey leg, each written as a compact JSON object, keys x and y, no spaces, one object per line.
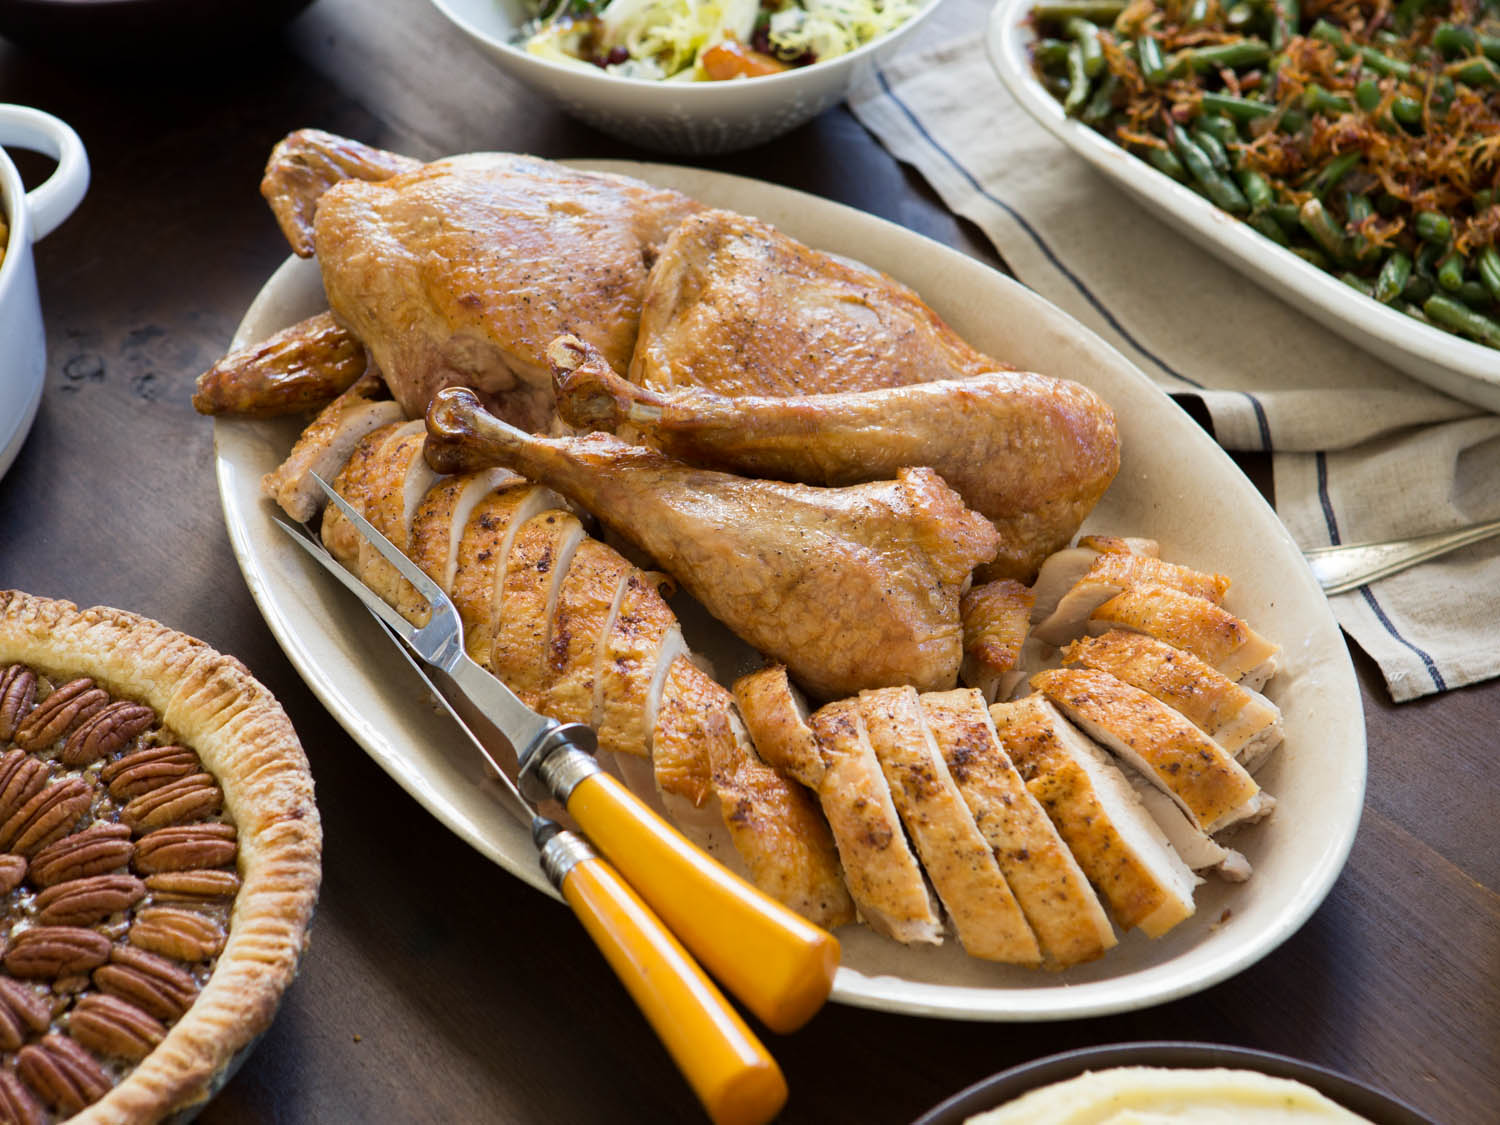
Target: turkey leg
{"x":851,"y":588}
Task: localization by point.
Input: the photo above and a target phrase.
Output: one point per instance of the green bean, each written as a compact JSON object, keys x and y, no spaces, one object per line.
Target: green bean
{"x":1102,"y":104}
{"x":1257,"y":189}
{"x":1417,"y":288}
{"x":1378,"y":61}
{"x":1413,"y":311}
{"x":1477,"y":71}
{"x":1489,"y":270}
{"x":1358,"y":208}
{"x":1409,"y":10}
{"x":1058,"y":11}
{"x":1394,"y":275}
{"x":1319,"y":224}
{"x":1285,"y":17}
{"x":1451,"y":272}
{"x":1475,"y":295}
{"x":1293,"y":121}
{"x":1165,"y":160}
{"x":1078,"y":81}
{"x":1433,"y":227}
{"x":1454,"y":41}
{"x":1221,"y":189}
{"x":1287,"y":216}
{"x":1241,"y":109}
{"x":1334,"y":171}
{"x":1217,"y":125}
{"x":1148,"y":54}
{"x":1213,"y":148}
{"x":1270,"y":228}
{"x":1483,"y":199}
{"x":1050,"y":53}
{"x":1489,"y":46}
{"x":1458,"y":317}
{"x":1243,"y":52}
{"x":1313,"y":257}
{"x":1086,"y":35}
{"x":1353,"y":281}
{"x":1367,"y":94}
{"x":1408,"y":111}
{"x":1197,"y":13}
{"x":1315,"y":99}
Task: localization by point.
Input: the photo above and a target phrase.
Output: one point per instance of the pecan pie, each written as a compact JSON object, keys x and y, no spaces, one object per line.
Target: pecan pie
{"x":159,"y":862}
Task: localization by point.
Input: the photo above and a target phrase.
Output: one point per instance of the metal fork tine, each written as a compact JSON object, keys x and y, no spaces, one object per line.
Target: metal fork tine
{"x":436,"y":596}
{"x":376,"y":605}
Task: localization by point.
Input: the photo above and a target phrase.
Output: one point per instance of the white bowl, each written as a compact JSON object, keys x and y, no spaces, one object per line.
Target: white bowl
{"x":677,"y":117}
{"x":30,"y":216}
{"x":1453,"y":365}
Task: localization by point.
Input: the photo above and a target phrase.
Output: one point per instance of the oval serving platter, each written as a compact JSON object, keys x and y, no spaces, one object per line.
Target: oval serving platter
{"x":1451,"y":364}
{"x":1175,"y":484}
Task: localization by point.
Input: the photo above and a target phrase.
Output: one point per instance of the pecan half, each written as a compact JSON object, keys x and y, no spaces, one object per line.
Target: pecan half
{"x":188,"y":798}
{"x":143,"y":770}
{"x":173,"y":932}
{"x":106,"y":731}
{"x":16,"y":1102}
{"x":65,"y":1075}
{"x":17,"y":694}
{"x":148,"y":981}
{"x":52,"y":813}
{"x":95,"y":850}
{"x":23,"y":1013}
{"x":12,"y":871}
{"x":21,"y":778}
{"x":185,"y":846}
{"x":59,"y":713}
{"x":192,"y":886}
{"x":49,"y":952}
{"x":114,"y":1028}
{"x":82,"y":902}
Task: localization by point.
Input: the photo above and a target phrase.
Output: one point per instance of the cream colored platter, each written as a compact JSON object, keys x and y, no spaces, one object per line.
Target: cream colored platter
{"x":1175,"y":484}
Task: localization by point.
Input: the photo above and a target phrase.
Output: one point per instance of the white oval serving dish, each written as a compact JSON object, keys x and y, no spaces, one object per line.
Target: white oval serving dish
{"x":1175,"y":484}
{"x":1451,"y":364}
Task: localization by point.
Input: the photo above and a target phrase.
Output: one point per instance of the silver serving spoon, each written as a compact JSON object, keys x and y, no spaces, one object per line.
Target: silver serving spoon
{"x":1347,"y":567}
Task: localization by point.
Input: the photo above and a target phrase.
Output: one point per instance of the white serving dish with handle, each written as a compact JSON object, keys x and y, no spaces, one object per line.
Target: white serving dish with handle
{"x":1451,"y":364}
{"x":31,"y":216}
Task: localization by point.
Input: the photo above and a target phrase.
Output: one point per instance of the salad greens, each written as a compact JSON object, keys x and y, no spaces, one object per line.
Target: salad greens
{"x":702,"y":40}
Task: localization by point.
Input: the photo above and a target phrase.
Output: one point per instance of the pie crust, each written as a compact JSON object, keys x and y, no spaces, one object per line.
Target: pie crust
{"x":243,"y":738}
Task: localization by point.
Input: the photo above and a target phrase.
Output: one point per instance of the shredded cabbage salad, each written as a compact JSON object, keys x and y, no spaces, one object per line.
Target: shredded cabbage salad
{"x":706,"y":40}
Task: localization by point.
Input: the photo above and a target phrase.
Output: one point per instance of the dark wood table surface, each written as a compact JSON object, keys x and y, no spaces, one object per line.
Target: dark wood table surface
{"x":437,"y":988}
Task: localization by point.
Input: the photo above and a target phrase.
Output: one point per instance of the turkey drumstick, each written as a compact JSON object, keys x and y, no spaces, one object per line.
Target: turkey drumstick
{"x":851,"y":588}
{"x":1032,"y":453}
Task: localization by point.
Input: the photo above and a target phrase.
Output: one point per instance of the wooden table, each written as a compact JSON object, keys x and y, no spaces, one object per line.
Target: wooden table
{"x":437,"y":988}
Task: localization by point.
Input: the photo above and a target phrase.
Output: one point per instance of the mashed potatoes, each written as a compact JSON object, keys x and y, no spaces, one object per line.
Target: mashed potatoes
{"x":1143,"y":1095}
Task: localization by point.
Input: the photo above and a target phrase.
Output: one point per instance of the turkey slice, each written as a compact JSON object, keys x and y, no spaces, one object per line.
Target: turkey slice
{"x":1208,"y":631}
{"x":1124,"y":853}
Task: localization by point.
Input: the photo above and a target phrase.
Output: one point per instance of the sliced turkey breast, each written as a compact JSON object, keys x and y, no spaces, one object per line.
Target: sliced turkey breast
{"x":539,"y":558}
{"x":777,"y":715}
{"x":1244,"y":722}
{"x":1210,"y":786}
{"x":1208,"y":631}
{"x":1062,"y":570}
{"x":958,"y":859}
{"x":1113,"y":571}
{"x":882,"y":873}
{"x":1054,"y":894}
{"x":325,"y":446}
{"x":1198,"y":849}
{"x":1120,"y":848}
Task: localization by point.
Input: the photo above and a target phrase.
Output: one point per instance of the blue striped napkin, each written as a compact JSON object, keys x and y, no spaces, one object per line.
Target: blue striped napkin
{"x":1359,"y":451}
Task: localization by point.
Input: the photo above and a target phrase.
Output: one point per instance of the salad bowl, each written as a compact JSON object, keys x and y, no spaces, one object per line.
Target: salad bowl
{"x":673,"y":116}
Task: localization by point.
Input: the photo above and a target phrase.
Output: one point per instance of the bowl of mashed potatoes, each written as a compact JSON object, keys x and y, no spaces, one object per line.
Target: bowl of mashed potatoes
{"x":1163,"y":1083}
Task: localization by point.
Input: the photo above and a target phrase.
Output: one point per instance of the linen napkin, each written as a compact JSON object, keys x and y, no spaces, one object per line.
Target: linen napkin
{"x":1360,"y":452}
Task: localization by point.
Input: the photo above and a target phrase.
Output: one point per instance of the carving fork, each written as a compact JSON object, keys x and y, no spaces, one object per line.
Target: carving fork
{"x":779,"y":964}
